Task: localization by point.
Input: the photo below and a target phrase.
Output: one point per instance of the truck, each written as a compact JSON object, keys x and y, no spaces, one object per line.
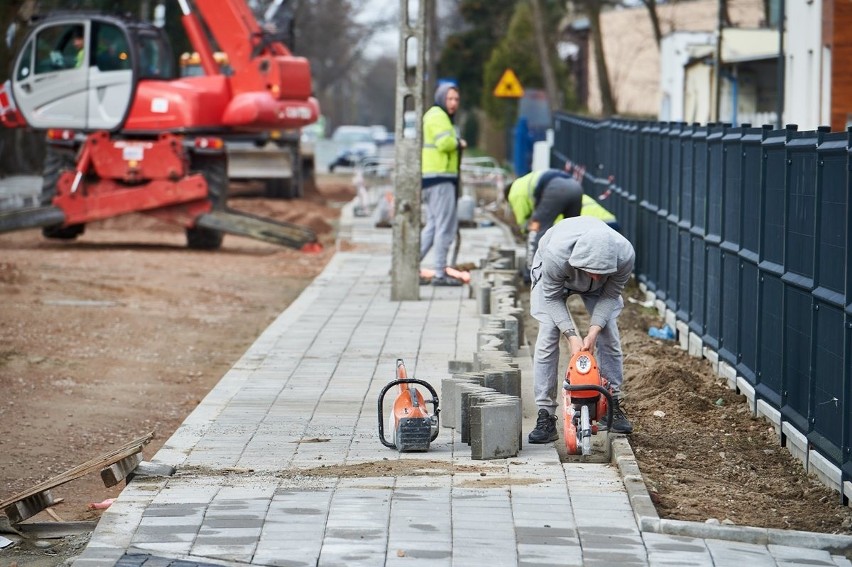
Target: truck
{"x":276,"y":158}
{"x":127,"y":134}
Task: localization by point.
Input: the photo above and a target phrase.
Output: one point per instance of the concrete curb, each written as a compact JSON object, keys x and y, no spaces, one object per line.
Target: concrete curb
{"x":649,"y":521}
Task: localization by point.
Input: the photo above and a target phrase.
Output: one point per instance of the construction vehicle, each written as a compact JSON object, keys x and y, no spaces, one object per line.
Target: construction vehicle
{"x":414,"y":427}
{"x":126,"y":134}
{"x":276,"y":158}
{"x":587,"y":401}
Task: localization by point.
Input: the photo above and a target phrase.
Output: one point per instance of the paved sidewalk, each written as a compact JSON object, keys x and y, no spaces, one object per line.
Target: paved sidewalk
{"x":281,"y":464}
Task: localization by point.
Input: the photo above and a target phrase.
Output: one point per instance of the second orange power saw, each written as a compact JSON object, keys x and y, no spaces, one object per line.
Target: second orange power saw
{"x":413,"y":426}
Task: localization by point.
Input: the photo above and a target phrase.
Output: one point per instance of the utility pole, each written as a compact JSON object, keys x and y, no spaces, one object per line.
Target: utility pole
{"x":430,"y":81}
{"x":405,"y":259}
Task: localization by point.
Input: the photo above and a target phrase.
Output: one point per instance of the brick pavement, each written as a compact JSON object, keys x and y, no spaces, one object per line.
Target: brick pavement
{"x":304,"y":396}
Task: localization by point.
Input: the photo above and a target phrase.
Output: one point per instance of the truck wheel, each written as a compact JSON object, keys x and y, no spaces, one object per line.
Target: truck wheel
{"x":279,"y":188}
{"x":215,"y":172}
{"x":57,"y":160}
{"x":309,"y":182}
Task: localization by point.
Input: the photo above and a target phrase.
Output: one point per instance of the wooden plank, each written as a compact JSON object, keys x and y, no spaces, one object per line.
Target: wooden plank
{"x":97,"y":463}
{"x":116,"y":472}
{"x":28,"y":507}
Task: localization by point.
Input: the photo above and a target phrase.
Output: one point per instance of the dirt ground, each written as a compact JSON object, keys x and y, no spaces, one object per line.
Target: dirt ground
{"x":124,"y":331}
{"x":705,"y":456}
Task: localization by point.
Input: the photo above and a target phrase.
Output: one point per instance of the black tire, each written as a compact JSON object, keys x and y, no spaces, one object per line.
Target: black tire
{"x":56,"y":161}
{"x":309,"y":180}
{"x":279,"y":188}
{"x":214,"y":168}
{"x":287,"y":187}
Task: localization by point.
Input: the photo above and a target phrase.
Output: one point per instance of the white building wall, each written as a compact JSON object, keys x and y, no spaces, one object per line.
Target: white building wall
{"x":632,"y":55}
{"x":803,"y":79}
{"x":674,"y":56}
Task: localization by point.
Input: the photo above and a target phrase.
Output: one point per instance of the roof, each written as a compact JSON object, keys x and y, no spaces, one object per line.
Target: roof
{"x":739,"y":46}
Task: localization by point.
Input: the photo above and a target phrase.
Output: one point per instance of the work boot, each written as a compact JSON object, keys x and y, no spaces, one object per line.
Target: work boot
{"x":545,"y":428}
{"x":620,"y":423}
{"x":446,"y":280}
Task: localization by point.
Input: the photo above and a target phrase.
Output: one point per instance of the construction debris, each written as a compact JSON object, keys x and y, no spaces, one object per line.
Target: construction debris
{"x":114,"y":466}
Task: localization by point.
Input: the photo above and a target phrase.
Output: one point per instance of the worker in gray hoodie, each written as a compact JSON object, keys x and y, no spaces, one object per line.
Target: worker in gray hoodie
{"x":583,"y":256}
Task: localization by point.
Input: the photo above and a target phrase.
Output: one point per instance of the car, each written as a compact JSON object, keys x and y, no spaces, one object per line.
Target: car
{"x":355,"y":143}
{"x":380,"y":134}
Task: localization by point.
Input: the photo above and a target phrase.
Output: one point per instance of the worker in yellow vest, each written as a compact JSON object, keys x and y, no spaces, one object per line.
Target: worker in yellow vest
{"x":441,"y":161}
{"x":542,"y":198}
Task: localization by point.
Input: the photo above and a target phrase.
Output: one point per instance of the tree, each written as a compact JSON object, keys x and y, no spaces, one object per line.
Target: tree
{"x":329,"y":36}
{"x":593,"y":10}
{"x":544,"y":45}
{"x":465,"y":53}
{"x":651,"y":5}
{"x":518,"y":51}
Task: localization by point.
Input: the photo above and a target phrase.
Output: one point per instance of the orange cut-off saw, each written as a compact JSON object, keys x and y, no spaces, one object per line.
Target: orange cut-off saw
{"x":413,"y":426}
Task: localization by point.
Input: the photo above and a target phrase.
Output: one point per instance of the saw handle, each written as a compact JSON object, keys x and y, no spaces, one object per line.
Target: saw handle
{"x":606,"y":393}
{"x":433,"y":401}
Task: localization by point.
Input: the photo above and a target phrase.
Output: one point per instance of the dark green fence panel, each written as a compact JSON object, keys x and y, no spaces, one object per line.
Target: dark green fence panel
{"x":648,"y":154}
{"x":829,"y":409}
{"x":684,"y":260}
{"x":698,"y":261}
{"x":713,"y":237}
{"x":662,"y":212}
{"x":770,"y":365}
{"x":798,"y":278}
{"x":746,"y":234}
{"x":747,"y":354}
{"x":731,"y":220}
{"x":630,"y":226}
{"x":847,"y":366}
{"x":671,"y":251}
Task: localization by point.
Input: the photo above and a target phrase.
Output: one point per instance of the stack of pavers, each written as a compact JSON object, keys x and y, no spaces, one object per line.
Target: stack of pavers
{"x":482,"y":399}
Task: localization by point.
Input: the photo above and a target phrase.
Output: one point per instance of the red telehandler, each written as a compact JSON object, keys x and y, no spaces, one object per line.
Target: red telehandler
{"x":126,"y":134}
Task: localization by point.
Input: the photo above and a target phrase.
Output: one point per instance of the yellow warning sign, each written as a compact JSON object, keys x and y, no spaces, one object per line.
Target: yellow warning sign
{"x":509,"y":86}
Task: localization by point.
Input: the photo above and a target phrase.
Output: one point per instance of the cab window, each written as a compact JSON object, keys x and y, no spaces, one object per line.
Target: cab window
{"x":112,"y":52}
{"x":60,"y":47}
{"x":154,"y":58}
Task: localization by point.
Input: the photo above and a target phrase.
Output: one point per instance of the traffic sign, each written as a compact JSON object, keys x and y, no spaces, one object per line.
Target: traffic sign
{"x":509,"y":86}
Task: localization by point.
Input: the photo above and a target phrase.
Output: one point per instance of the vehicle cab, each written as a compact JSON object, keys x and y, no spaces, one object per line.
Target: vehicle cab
{"x":80,"y":71}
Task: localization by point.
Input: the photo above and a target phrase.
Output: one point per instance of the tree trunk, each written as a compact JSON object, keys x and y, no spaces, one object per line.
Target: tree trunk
{"x":651,"y":5}
{"x":593,"y":10}
{"x":550,"y":86}
{"x":724,"y":14}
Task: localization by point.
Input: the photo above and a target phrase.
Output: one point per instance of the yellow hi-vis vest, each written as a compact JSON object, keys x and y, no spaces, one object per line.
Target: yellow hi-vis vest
{"x":521,"y":197}
{"x":592,"y":208}
{"x":440,"y":145}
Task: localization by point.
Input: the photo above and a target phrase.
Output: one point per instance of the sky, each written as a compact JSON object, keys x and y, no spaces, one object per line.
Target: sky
{"x":385,"y":41}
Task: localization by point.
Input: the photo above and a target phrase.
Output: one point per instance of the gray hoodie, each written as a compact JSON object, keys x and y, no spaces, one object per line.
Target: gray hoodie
{"x":441,"y":96}
{"x":567,"y":253}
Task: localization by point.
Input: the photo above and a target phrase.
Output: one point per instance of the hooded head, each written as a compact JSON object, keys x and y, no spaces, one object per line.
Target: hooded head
{"x":596,"y":252}
{"x":441,"y":94}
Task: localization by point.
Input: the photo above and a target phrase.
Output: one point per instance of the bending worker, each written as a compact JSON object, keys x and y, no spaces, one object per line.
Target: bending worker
{"x":586,"y":257}
{"x":440,"y":170}
{"x":538,"y":200}
{"x":542,"y":198}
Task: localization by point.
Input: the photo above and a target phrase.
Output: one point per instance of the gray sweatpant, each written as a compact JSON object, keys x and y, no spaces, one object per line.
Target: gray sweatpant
{"x":441,"y":223}
{"x":546,"y":358}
